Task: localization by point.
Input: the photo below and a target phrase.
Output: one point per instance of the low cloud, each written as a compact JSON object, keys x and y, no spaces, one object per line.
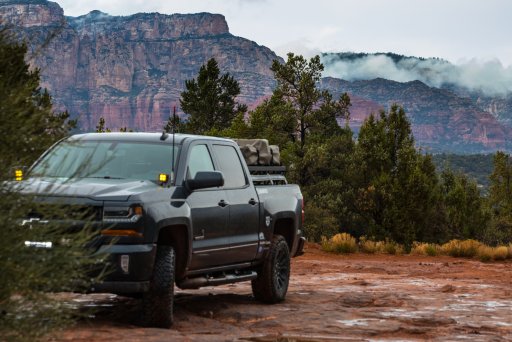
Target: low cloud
{"x":490,"y":77}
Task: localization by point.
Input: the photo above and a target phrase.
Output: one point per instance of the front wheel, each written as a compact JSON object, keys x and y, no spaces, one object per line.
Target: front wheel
{"x":159,"y":300}
{"x":274,"y":274}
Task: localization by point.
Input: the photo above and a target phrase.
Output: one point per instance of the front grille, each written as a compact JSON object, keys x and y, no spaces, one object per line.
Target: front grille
{"x":71,"y":212}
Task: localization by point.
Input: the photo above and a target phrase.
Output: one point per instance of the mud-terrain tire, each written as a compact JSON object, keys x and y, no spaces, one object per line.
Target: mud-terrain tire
{"x":158,"y":302}
{"x":274,"y":274}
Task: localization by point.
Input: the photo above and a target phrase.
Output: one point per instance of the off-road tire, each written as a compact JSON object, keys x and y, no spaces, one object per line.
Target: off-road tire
{"x":159,"y":300}
{"x":274,"y":274}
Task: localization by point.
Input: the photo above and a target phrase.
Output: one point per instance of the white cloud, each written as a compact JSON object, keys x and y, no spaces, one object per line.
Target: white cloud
{"x":451,"y":29}
{"x":489,"y":76}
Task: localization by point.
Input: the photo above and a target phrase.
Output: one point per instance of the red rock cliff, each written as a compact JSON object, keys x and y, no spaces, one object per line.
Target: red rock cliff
{"x":131,"y":70}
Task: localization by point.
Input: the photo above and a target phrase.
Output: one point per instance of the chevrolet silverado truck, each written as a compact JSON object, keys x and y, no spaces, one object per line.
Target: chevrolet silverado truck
{"x":172,"y":210}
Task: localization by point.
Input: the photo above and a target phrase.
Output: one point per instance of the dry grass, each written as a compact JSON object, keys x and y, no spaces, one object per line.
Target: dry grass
{"x":461,"y":248}
{"x":344,"y":243}
{"x":393,"y":248}
{"x":369,"y":246}
{"x":430,"y":249}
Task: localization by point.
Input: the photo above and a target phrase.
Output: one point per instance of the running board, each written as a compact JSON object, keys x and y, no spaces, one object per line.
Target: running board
{"x":195,"y":283}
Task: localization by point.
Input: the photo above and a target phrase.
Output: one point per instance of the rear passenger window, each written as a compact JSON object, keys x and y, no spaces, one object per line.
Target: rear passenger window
{"x":200,"y":160}
{"x":230,"y":165}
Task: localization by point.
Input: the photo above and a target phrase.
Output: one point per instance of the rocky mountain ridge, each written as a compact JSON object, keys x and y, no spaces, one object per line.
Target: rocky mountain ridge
{"x":131,"y":70}
{"x":441,"y":120}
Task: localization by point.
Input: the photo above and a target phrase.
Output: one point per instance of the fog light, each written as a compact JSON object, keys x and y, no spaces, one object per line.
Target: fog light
{"x":125,"y":263}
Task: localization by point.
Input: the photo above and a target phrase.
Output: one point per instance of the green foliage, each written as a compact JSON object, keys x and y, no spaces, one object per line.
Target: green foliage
{"x":475,"y":166}
{"x":396,"y":185}
{"x":499,"y":229}
{"x":319,"y":222}
{"x":310,"y":111}
{"x":273,"y":119}
{"x":174,"y":124}
{"x":465,"y":213}
{"x":379,"y":185}
{"x":29,"y":126}
{"x":210,"y":100}
{"x":100,"y":127}
{"x":500,"y":192}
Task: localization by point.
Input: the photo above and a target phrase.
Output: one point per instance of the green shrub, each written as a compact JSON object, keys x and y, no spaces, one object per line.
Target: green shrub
{"x":393,"y":248}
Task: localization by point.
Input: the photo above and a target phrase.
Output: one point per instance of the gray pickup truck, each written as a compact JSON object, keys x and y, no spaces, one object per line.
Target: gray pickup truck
{"x":174,"y":209}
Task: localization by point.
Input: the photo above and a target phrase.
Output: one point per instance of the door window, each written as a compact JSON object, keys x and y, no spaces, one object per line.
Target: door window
{"x":230,"y":165}
{"x":199,"y":160}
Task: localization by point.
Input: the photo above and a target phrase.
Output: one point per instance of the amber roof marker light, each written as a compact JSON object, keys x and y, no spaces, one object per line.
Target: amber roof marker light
{"x":163,"y":178}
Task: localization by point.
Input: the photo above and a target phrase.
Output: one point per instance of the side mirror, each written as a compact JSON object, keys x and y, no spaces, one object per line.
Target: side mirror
{"x":205,"y":179}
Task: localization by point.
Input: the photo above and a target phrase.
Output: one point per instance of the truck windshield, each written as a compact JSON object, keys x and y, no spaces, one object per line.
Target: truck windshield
{"x":107,"y":159}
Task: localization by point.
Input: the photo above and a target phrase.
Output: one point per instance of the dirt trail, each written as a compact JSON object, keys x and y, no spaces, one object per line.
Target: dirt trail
{"x":332,"y":298}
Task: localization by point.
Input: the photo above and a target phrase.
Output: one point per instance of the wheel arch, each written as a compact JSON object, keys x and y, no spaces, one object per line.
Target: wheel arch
{"x":177,"y":236}
{"x":286,"y":228}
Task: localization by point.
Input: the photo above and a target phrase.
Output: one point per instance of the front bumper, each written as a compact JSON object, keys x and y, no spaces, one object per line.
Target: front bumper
{"x":130,"y":268}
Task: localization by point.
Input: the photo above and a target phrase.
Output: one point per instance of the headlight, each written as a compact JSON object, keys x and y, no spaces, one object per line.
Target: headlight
{"x":122,"y":214}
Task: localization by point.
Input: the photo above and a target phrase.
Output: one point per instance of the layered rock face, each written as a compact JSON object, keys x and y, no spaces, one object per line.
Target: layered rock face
{"x":131,"y":70}
{"x":441,"y":120}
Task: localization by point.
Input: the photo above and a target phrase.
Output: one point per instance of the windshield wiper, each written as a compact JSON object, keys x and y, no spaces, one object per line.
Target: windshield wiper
{"x":104,"y":177}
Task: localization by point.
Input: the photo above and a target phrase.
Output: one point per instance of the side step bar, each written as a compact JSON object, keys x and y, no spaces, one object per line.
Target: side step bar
{"x":195,"y":283}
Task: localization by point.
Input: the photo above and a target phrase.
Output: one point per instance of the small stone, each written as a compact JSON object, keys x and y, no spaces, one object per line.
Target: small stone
{"x":448,"y":288}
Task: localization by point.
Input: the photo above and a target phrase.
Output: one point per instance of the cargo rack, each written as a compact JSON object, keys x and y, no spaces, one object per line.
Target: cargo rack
{"x":268,"y":175}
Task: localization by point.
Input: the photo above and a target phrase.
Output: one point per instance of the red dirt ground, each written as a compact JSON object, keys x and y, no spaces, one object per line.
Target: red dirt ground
{"x":331,"y":298}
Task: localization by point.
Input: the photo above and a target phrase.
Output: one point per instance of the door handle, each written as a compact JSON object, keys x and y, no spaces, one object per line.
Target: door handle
{"x":252,"y":201}
{"x":223,"y":203}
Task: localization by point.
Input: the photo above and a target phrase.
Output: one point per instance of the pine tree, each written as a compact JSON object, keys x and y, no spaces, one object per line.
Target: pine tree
{"x":397,"y":190}
{"x":28,"y":127}
{"x":499,"y":230}
{"x":210,"y":100}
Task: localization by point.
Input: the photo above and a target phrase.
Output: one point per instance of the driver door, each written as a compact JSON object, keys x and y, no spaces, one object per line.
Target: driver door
{"x":209,"y":214}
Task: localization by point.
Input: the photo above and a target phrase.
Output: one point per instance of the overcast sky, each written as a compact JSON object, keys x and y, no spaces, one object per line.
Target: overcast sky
{"x":456,"y":30}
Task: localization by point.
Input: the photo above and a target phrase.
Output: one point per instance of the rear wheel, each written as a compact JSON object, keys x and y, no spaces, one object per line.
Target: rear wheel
{"x":274,"y":274}
{"x":159,"y":300}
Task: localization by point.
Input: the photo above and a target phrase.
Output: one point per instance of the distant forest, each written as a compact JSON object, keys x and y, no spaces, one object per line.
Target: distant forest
{"x":476,"y":166}
{"x":352,"y":56}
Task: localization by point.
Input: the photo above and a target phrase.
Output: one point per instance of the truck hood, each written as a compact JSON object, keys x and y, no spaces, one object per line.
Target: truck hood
{"x":97,"y":189}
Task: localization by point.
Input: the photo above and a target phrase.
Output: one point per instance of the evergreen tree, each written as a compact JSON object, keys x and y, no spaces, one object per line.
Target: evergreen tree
{"x":499,"y":229}
{"x":174,"y":124}
{"x":397,"y":191}
{"x":28,"y":127}
{"x":210,"y":99}
{"x":310,"y":111}
{"x":297,"y":85}
{"x":303,"y":121}
{"x":500,"y":193}
{"x":466,"y":217}
{"x":100,"y":127}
